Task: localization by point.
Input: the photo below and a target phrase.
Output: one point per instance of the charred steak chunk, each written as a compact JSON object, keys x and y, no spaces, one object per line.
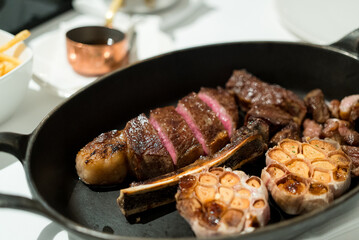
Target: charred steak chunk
{"x":347,"y":105}
{"x":315,"y":103}
{"x":312,"y":129}
{"x":223,"y":104}
{"x":341,"y":131}
{"x":276,"y":117}
{"x":334,"y":108}
{"x":291,"y":131}
{"x":146,"y":154}
{"x":176,"y":136}
{"x":250,"y":91}
{"x":203,"y":122}
{"x":353,"y":154}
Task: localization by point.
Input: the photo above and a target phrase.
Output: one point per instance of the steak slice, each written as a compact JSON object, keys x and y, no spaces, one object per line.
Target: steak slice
{"x":176,"y":136}
{"x":203,"y":122}
{"x":147,"y":156}
{"x":250,"y":91}
{"x":223,"y":104}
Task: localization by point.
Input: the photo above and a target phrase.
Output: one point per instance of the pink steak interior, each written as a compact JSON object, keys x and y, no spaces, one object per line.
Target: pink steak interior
{"x":219,"y":110}
{"x":192,"y":125}
{"x":165,"y":140}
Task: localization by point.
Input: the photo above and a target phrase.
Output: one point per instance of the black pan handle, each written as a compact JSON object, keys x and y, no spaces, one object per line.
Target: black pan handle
{"x":349,"y":43}
{"x":14,"y":143}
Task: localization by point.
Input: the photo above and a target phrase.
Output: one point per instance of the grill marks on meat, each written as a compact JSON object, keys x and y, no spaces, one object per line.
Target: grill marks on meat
{"x":176,"y":136}
{"x":203,"y":122}
{"x":315,"y":103}
{"x":223,"y":104}
{"x":251,"y":91}
{"x":148,"y":157}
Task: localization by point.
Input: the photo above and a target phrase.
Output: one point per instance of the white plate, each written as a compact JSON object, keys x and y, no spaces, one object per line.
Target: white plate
{"x":51,"y":69}
{"x":319,"y":21}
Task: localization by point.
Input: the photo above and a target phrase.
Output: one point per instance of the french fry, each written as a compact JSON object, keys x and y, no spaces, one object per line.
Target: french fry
{"x":2,"y":69}
{"x":21,"y":36}
{"x":19,"y":49}
{"x":7,"y":58}
{"x":9,"y":66}
{"x":8,"y":63}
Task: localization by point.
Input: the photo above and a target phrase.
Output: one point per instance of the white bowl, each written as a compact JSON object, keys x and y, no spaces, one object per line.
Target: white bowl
{"x":14,"y":84}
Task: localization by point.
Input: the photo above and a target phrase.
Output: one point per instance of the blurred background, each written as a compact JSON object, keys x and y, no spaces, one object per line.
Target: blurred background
{"x":16,"y":15}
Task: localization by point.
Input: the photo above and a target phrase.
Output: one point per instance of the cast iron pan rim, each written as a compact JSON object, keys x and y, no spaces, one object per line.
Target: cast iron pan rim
{"x":77,"y":228}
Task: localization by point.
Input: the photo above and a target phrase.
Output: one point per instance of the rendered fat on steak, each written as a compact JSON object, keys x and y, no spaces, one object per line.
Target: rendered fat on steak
{"x":252,"y":91}
{"x":146,"y":154}
{"x":223,"y":104}
{"x":176,"y":136}
{"x":203,"y":122}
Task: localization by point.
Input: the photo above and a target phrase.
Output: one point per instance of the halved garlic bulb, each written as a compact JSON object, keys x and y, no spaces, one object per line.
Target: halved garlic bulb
{"x":305,"y":176}
{"x":221,"y":201}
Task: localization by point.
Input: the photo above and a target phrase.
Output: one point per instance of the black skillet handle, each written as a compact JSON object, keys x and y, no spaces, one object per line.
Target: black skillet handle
{"x":349,"y":43}
{"x":16,"y":145}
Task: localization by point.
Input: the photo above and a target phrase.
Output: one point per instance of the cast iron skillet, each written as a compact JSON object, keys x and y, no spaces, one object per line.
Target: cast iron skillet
{"x":48,"y":153}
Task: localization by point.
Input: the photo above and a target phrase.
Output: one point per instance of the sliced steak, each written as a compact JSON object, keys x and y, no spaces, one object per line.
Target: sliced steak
{"x":146,"y":154}
{"x":223,"y":104}
{"x":312,"y":129}
{"x":250,"y":91}
{"x":176,"y":136}
{"x":315,"y":103}
{"x":203,"y":122}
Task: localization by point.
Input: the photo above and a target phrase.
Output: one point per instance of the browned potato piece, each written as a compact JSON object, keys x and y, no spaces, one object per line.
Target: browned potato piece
{"x":104,"y":160}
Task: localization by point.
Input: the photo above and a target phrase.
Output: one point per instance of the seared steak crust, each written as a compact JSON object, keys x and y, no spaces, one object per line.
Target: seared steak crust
{"x":252,"y":91}
{"x":178,"y":137}
{"x":146,"y":154}
{"x":204,"y":123}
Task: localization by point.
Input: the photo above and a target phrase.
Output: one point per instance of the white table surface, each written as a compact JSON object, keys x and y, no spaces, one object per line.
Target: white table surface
{"x":215,"y":21}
